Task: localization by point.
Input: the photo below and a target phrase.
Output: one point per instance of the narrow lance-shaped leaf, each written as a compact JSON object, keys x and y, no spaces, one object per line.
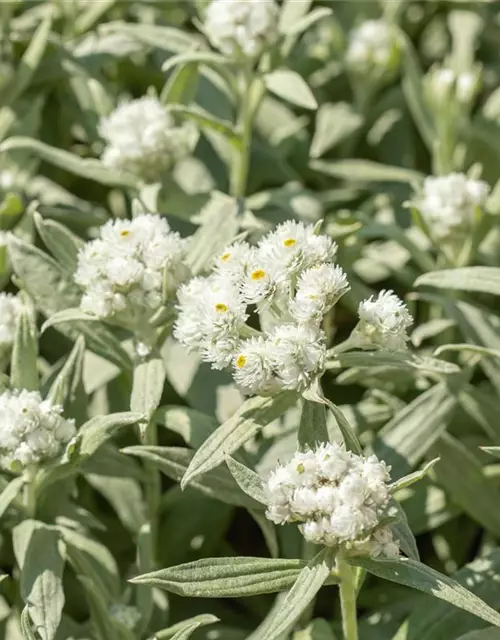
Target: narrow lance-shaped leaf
{"x":226,"y":577}
{"x":480,"y":279}
{"x":99,"y":614}
{"x":68,"y":380}
{"x":290,"y":86}
{"x":147,"y":386}
{"x":312,"y":427}
{"x":26,"y":625}
{"x":251,"y":417}
{"x":23,"y":369}
{"x":144,"y":599}
{"x":97,"y":430}
{"x":249,"y":481}
{"x":10,"y":493}
{"x":418,"y":576}
{"x":411,"y":478}
{"x":200,"y":621}
{"x":60,"y":241}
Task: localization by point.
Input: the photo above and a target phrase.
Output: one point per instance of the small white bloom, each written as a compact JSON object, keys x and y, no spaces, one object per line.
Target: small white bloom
{"x":383,"y":544}
{"x":374,"y":45}
{"x":233,"y":261}
{"x":318,"y":290}
{"x":32,"y":430}
{"x":448,"y":204}
{"x":467,"y":86}
{"x":383,"y":321}
{"x":298,"y":354}
{"x":142,"y":139}
{"x":122,"y":272}
{"x":253,"y":370}
{"x":242,"y":27}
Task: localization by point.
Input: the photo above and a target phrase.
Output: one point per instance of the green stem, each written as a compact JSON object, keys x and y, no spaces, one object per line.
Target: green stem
{"x":153,"y":491}
{"x":30,"y":493}
{"x":347,"y":598}
{"x":241,"y":166}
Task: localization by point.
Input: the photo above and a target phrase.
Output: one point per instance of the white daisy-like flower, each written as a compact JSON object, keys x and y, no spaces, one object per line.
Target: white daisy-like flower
{"x":383,"y":323}
{"x":298,"y":355}
{"x":329,"y":491}
{"x":318,"y":290}
{"x":242,"y":27}
{"x":32,"y":430}
{"x":233,"y":262}
{"x":123,"y":272}
{"x":142,"y":138}
{"x":10,"y":307}
{"x":253,"y":370}
{"x":448,"y":204}
{"x":374,"y":45}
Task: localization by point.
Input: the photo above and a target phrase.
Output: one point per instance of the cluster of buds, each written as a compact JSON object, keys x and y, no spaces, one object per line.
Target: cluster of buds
{"x":339,"y":498}
{"x":444,"y":87}
{"x":374,"y":49}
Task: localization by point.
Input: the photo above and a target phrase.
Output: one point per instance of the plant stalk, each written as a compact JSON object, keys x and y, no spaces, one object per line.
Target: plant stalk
{"x":30,"y":493}
{"x":153,"y":492}
{"x":241,"y":166}
{"x":347,"y":598}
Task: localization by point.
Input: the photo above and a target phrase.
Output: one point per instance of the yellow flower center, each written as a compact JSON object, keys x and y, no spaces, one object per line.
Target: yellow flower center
{"x":225,"y":256}
{"x":258,"y":274}
{"x":300,"y":468}
{"x":241,"y":361}
{"x":221,"y":307}
{"x":124,"y":233}
{"x":289,"y":242}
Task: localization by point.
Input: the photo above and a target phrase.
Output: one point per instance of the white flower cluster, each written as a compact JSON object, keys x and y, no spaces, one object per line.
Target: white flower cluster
{"x":242,"y":27}
{"x":124,"y":270}
{"x":374,"y":45}
{"x":448,"y":204}
{"x":142,"y":139}
{"x":291,"y":274}
{"x":383,"y":321}
{"x":10,"y":307}
{"x":338,"y":496}
{"x":443,"y":84}
{"x":32,"y":430}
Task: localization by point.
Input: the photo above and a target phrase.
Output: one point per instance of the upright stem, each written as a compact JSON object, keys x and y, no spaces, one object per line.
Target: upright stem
{"x":30,"y":493}
{"x":240,"y":168}
{"x":347,"y":598}
{"x":153,"y":491}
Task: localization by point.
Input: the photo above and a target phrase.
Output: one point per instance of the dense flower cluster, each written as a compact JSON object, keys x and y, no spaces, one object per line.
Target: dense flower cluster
{"x":124,"y":271}
{"x":291,"y":275}
{"x":443,"y":84}
{"x":142,"y":139}
{"x":32,"y":430}
{"x":10,"y":306}
{"x":374,"y":45}
{"x":241,"y":27}
{"x":338,"y":496}
{"x":448,"y":204}
{"x":383,"y":321}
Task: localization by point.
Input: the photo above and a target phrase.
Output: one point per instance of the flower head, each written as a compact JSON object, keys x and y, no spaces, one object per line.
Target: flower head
{"x":318,"y":289}
{"x":10,"y":307}
{"x":373,"y":46}
{"x":253,"y":369}
{"x":32,"y":430}
{"x":338,"y":497}
{"x":142,"y":139}
{"x":123,"y":272}
{"x":241,"y":27}
{"x":383,"y":321}
{"x":448,"y":203}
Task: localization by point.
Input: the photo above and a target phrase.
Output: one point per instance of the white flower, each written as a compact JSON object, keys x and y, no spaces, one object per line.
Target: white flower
{"x":211,"y":319}
{"x":298,"y":354}
{"x":10,"y":307}
{"x":338,"y":508}
{"x":122,"y":273}
{"x":448,"y":203}
{"x":374,"y":45}
{"x":242,"y":27}
{"x":253,"y":370}
{"x":142,"y":139}
{"x":383,"y":321}
{"x":318,"y":289}
{"x":443,"y":85}
{"x":32,"y":430}
{"x":233,"y":262}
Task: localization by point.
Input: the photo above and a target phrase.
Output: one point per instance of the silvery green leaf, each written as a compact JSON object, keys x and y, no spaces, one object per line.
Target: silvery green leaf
{"x":209,"y":58}
{"x":125,"y":497}
{"x":68,"y":315}
{"x":254,"y":414}
{"x":52,"y":291}
{"x":206,"y":120}
{"x":99,"y":429}
{"x":416,"y":575}
{"x":319,"y":629}
{"x":494,"y":451}
{"x":268,"y":531}
{"x":308,"y":583}
{"x":306,"y":22}
{"x":60,"y":241}
{"x":430,"y":329}
{"x":144,"y":597}
{"x":147,"y":386}
{"x":163,"y":37}
{"x":481,"y":279}
{"x":334,"y":123}
{"x":182,"y":85}
{"x":10,"y":493}
{"x":23,"y":367}
{"x":91,"y":15}
{"x":99,"y":613}
{"x":473,"y":348}
{"x":407,"y":437}
{"x":461,"y":473}
{"x":174,"y":461}
{"x":230,"y":577}
{"x":366,"y":171}
{"x":249,"y":481}
{"x":192,"y":425}
{"x":491,"y":633}
{"x":292,"y":11}
{"x":407,"y":481}
{"x":201,"y":620}
{"x":290,"y":86}
{"x":402,"y":531}
{"x":312,"y":427}
{"x":26,"y":630}
{"x":404,"y":360}
{"x":41,"y":580}
{"x":69,"y":379}
{"x":88,"y":168}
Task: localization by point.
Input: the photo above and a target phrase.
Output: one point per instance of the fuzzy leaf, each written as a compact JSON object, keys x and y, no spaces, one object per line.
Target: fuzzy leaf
{"x":200,"y":621}
{"x":481,"y":279}
{"x":147,"y":386}
{"x":249,"y":481}
{"x":10,"y":493}
{"x":312,"y":427}
{"x":96,"y":431}
{"x":23,"y":368}
{"x":290,"y":86}
{"x":59,"y":240}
